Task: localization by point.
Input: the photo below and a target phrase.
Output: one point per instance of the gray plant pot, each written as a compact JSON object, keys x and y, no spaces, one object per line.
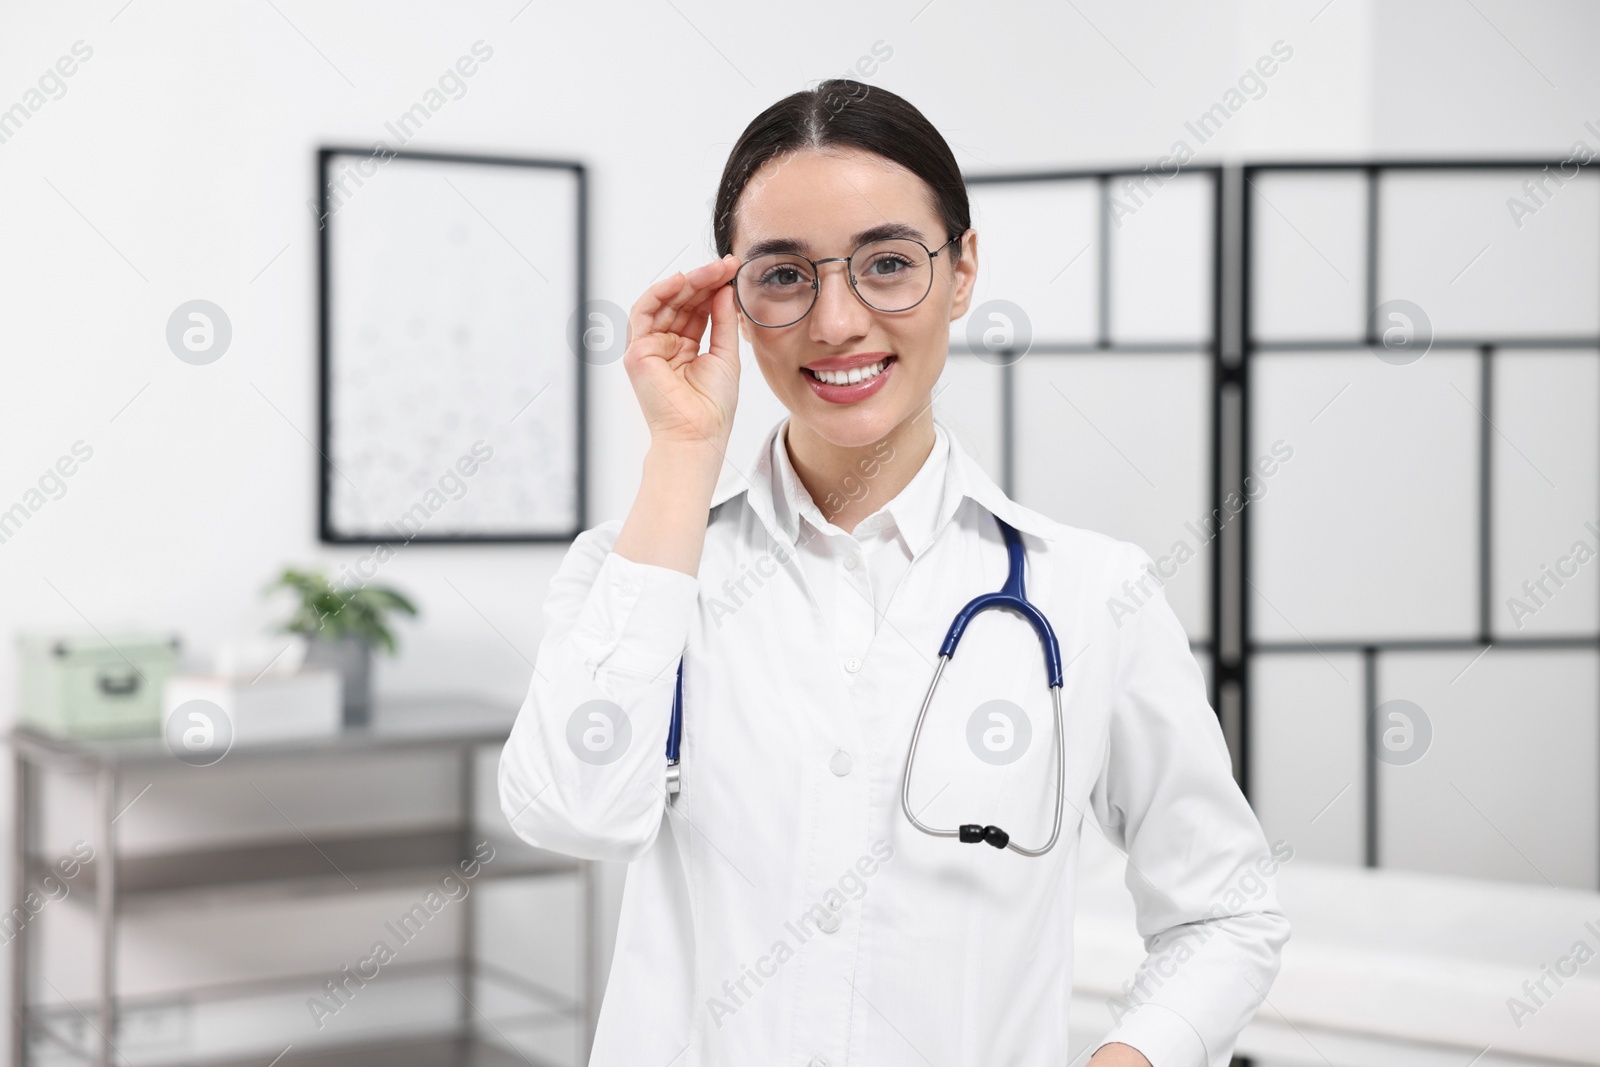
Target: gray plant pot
{"x":352,"y":658}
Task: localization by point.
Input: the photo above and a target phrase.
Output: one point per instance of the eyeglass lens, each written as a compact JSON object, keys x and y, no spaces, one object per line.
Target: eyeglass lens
{"x":779,"y":289}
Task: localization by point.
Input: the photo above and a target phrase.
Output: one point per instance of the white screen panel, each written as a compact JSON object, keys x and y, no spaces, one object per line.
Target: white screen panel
{"x":1506,"y":788}
{"x":1309,"y":274}
{"x":1370,"y":529}
{"x":1545,"y":479}
{"x":1162,"y":264}
{"x":1449,"y":243}
{"x":967,"y":401}
{"x":1121,"y":445}
{"x":1307,"y":729}
{"x":1038,"y":248}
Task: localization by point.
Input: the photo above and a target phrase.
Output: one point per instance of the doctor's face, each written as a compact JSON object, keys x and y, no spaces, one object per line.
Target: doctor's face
{"x":823,"y":203}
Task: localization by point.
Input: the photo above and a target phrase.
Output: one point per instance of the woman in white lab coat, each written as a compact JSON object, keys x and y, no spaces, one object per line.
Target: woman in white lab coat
{"x":779,"y":907}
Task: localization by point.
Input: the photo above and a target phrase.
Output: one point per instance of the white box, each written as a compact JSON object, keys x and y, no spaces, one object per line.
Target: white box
{"x":308,"y":703}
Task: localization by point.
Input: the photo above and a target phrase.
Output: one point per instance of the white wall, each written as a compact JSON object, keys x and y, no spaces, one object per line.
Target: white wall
{"x":179,"y":161}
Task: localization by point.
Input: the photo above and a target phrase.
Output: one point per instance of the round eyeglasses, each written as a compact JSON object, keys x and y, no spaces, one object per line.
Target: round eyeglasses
{"x":780,"y":289}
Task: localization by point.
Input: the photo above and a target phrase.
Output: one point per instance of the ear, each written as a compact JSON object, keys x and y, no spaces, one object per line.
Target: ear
{"x":966,"y":274}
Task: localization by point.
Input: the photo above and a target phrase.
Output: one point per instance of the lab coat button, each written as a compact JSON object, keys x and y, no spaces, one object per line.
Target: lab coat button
{"x":840,"y":763}
{"x":849,"y":563}
{"x":829,"y":922}
{"x":852,"y":664}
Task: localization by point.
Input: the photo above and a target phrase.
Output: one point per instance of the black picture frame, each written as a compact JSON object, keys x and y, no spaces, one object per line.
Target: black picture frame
{"x":329,"y":532}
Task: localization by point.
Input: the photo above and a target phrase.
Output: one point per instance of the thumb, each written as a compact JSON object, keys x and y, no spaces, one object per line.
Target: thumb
{"x":725,"y":327}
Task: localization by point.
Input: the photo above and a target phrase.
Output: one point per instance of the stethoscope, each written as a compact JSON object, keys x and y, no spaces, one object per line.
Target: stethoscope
{"x":1011,"y":595}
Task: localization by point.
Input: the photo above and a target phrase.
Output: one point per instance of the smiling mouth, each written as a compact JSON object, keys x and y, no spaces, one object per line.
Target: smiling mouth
{"x":852,"y":376}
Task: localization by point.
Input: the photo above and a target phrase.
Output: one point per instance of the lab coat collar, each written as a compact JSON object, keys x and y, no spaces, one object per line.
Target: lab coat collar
{"x":914,"y":514}
{"x":964,"y":480}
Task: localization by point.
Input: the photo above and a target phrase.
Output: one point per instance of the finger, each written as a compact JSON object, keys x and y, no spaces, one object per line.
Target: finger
{"x":641,"y":317}
{"x":662,"y":303}
{"x":692,"y":319}
{"x":649,"y":347}
{"x":669,"y":304}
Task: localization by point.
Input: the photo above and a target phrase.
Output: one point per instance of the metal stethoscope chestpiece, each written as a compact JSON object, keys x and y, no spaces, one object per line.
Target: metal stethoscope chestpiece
{"x":675,"y":737}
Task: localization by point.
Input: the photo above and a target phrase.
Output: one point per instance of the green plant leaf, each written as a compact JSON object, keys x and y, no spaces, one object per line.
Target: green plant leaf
{"x":330,"y":612}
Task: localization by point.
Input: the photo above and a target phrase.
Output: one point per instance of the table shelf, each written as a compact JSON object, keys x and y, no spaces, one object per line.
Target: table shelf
{"x":115,"y":884}
{"x":429,"y":1050}
{"x":307,"y":867}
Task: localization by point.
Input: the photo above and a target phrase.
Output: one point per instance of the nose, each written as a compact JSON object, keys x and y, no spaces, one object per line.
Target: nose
{"x":839,"y":315}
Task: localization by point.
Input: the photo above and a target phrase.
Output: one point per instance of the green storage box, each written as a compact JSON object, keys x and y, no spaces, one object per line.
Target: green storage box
{"x":93,"y":686}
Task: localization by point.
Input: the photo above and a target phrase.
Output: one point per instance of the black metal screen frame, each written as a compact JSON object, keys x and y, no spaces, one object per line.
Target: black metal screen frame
{"x":1209,"y":346}
{"x":1486,"y":348}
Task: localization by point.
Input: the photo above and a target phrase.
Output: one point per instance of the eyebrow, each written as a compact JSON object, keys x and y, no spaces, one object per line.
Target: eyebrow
{"x":882,"y":232}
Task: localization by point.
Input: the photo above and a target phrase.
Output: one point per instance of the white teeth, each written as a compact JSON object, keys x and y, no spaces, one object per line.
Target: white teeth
{"x":850,"y":377}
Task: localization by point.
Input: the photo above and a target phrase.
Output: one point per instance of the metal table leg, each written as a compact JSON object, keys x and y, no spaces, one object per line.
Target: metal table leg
{"x":106,"y":914}
{"x":469,"y":925}
{"x":589,"y":952}
{"x":21,"y":850}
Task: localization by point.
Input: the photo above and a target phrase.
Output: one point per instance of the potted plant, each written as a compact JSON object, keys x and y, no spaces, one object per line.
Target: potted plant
{"x":341,"y":627}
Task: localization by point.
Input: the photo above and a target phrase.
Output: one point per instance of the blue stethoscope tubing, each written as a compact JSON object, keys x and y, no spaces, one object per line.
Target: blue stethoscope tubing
{"x":1011,"y":595}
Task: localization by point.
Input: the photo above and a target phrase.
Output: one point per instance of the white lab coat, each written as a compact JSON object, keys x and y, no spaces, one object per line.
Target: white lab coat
{"x":781,"y":909}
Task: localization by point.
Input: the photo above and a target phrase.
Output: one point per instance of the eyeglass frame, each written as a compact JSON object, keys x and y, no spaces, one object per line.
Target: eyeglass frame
{"x":816,"y":277}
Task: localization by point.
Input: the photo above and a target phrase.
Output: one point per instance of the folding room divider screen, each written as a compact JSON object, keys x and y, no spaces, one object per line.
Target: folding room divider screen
{"x":1364,"y":398}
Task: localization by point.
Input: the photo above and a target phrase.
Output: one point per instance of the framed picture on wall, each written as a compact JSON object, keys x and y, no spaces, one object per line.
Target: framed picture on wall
{"x":452,"y":372}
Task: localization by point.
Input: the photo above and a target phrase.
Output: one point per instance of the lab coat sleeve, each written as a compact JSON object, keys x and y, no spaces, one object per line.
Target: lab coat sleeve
{"x":584,"y":769}
{"x":1199,"y":866}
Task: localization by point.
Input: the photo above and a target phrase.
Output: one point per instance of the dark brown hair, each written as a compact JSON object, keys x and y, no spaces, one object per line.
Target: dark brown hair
{"x":846,"y":113}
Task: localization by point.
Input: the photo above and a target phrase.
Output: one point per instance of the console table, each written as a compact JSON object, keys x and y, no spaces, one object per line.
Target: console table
{"x":112,"y":883}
